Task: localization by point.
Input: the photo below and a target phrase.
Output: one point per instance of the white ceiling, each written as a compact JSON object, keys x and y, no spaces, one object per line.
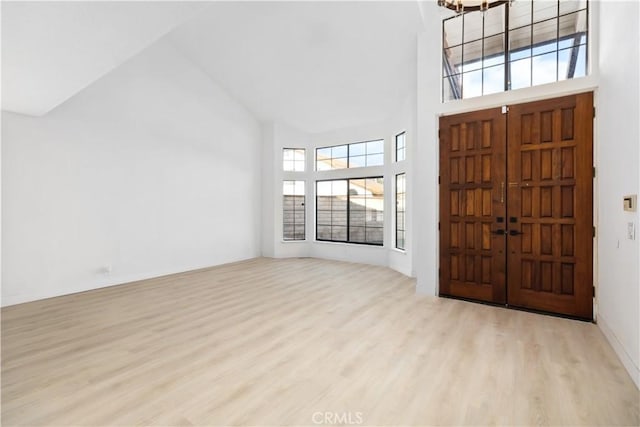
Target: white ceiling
{"x":52,"y":50}
{"x":314,"y":65}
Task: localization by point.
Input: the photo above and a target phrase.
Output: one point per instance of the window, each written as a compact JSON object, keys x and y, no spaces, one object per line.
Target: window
{"x":293,"y":217}
{"x":400,"y":210}
{"x":528,"y":43}
{"x":293,"y":159}
{"x":360,"y":154}
{"x":401,"y":147}
{"x":350,"y":210}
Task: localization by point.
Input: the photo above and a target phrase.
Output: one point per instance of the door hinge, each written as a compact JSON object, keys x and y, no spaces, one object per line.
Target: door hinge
{"x":594,"y":291}
{"x":505,"y":109}
{"x":438,"y":179}
{"x":439,"y":273}
{"x":439,"y":133}
{"x":438,"y":226}
{"x":594,"y":171}
{"x":594,"y":112}
{"x":594,"y":231}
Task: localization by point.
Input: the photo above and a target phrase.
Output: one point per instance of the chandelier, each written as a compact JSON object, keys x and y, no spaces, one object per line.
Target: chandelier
{"x":460,"y":6}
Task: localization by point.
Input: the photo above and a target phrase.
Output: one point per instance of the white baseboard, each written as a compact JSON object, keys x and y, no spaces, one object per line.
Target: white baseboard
{"x":625,"y":358}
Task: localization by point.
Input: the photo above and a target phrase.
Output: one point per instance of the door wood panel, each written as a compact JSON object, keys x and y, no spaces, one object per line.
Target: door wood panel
{"x":472,"y":158}
{"x":516,"y":205}
{"x":549,"y":193}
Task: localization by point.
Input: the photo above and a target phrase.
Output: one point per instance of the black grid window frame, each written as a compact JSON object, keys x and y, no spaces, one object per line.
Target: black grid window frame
{"x":348,"y":204}
{"x":402,"y":149}
{"x":296,"y":207}
{"x":454,"y":80}
{"x":349,"y":155}
{"x":401,"y":195}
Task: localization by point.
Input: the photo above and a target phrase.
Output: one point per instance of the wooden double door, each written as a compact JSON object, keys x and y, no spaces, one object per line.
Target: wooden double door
{"x":516,"y":197}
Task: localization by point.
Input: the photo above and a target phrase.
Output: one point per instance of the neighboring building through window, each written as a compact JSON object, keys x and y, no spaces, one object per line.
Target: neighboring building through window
{"x":401,"y":147}
{"x":293,"y":159}
{"x":360,"y":154}
{"x":293,"y":214}
{"x":350,"y":210}
{"x":401,"y":187}
{"x":529,"y":43}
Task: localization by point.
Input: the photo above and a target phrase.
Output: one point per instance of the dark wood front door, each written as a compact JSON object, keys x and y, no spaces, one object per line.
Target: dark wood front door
{"x":516,"y":211}
{"x":472,"y":201}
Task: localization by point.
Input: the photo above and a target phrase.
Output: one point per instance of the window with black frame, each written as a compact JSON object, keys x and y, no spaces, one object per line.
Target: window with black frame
{"x":293,"y":210}
{"x":350,"y":210}
{"x":401,"y":189}
{"x":355,"y":155}
{"x":401,"y":146}
{"x":518,"y":44}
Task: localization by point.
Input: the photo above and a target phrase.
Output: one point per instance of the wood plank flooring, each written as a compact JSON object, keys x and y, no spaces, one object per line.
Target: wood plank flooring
{"x":301,"y":342}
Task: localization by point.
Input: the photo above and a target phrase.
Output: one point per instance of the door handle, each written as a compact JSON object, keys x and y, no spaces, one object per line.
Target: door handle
{"x":499,"y":232}
{"x":515,"y":232}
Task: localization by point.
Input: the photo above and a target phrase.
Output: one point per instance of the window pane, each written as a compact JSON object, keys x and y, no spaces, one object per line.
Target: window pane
{"x":340,"y":163}
{"x":544,"y":69}
{"x":375,"y":147}
{"x":357,"y":161}
{"x":544,"y":9}
{"x":452,"y":61}
{"x":472,"y":27}
{"x":545,"y":37}
{"x":574,"y":24}
{"x":339,"y":151}
{"x":472,"y":56}
{"x":493,"y":21}
{"x":452,"y":88}
{"x":520,"y":43}
{"x":375,"y":160}
{"x":339,"y":233}
{"x":323,"y":232}
{"x":520,"y":13}
{"x":472,"y":84}
{"x":453,"y":31}
{"x":567,"y":6}
{"x":323,"y":188}
{"x":359,"y":149}
{"x":520,"y":73}
{"x":323,"y":153}
{"x":493,"y":80}
{"x":493,"y":50}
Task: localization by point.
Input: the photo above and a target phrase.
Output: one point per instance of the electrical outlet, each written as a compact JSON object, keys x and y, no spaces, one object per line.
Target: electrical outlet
{"x":631,"y":231}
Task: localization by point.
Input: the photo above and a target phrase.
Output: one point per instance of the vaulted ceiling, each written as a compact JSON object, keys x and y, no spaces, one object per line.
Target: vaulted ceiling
{"x":314,"y":65}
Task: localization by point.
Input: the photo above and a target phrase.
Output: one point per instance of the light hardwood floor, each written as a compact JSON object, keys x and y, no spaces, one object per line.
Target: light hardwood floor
{"x":282,"y":342}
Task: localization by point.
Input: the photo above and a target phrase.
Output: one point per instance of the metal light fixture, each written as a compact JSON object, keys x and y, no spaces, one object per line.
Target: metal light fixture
{"x":460,"y":6}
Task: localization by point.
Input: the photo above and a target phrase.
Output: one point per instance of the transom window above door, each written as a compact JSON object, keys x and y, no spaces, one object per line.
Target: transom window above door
{"x":518,"y":44}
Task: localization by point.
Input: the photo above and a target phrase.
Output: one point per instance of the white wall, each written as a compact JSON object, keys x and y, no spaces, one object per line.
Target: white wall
{"x":618,"y":134}
{"x":151,"y":170}
{"x":279,"y":136}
